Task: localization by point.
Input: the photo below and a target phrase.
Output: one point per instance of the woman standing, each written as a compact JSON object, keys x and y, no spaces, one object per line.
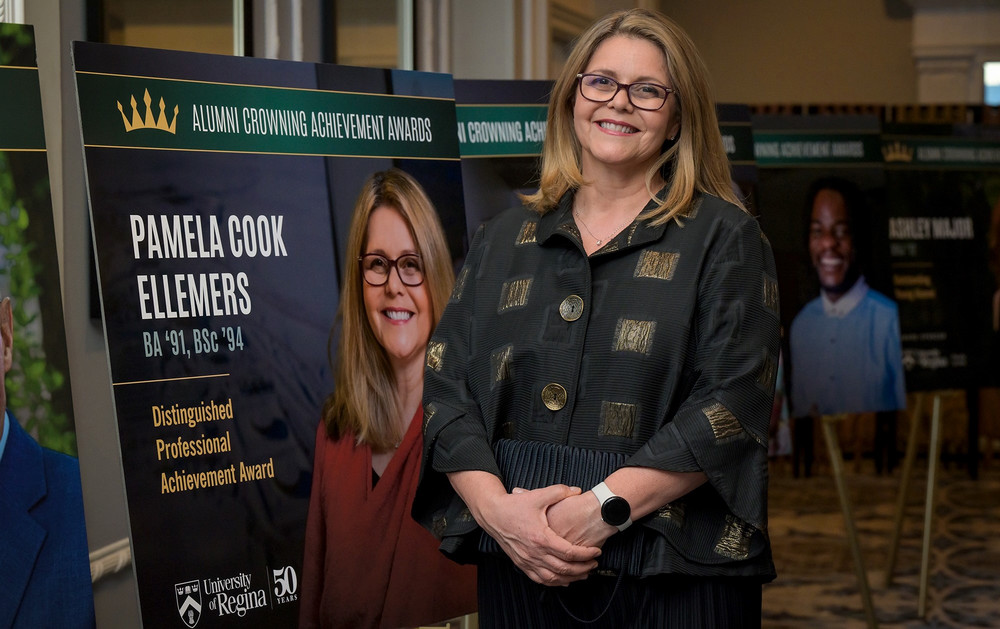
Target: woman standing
{"x":628,"y":314}
{"x":367,"y":563}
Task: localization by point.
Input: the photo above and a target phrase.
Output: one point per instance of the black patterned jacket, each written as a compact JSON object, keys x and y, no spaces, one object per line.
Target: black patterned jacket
{"x":662,"y":345}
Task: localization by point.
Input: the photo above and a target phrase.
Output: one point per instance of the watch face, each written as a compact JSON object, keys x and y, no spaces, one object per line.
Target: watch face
{"x":616,"y":511}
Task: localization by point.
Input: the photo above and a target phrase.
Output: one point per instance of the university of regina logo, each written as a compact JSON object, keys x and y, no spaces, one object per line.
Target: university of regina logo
{"x":188,"y":602}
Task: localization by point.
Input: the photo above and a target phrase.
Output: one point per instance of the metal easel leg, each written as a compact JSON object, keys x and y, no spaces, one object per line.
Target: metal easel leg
{"x":837,"y":466}
{"x":904,"y":485}
{"x":933,"y":454}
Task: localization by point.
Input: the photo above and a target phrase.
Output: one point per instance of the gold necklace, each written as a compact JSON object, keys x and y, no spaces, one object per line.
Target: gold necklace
{"x":600,"y":241}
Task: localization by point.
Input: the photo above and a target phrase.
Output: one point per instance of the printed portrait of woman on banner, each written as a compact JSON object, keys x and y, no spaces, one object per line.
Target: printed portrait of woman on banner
{"x":367,"y":562}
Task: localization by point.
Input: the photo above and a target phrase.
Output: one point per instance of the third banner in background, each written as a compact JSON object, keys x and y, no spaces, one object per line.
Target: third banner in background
{"x":943,"y":191}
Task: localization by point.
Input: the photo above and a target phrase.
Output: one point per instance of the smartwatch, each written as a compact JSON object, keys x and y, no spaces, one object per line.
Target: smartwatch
{"x":615,"y":510}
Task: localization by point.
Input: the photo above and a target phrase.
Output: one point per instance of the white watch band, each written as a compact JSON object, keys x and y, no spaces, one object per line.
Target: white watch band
{"x":604,"y":493}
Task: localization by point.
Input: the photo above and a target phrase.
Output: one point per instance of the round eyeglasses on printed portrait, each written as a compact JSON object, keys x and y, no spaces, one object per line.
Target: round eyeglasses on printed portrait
{"x":601,"y":89}
{"x":375,"y":268}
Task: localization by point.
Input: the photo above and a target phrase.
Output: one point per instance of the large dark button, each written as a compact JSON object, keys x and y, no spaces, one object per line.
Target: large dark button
{"x":571,"y":308}
{"x":554,"y":396}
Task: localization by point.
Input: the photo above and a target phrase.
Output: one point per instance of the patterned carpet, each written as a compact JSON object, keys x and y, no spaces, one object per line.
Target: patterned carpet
{"x":816,"y":586}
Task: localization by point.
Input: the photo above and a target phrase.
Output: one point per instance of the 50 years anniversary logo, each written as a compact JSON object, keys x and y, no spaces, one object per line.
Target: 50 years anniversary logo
{"x":238,"y":594}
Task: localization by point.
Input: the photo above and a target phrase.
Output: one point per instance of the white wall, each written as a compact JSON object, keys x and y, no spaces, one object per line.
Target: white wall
{"x":950,"y":47}
{"x":482,"y":39}
{"x":801,"y":51}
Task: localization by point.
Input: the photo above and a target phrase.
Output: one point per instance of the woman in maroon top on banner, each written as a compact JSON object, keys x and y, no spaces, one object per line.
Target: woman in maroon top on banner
{"x":367,"y":563}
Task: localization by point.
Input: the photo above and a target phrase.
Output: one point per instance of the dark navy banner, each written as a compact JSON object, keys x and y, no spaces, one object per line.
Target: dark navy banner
{"x":737,"y":138}
{"x":942,"y":187}
{"x":501,"y":129}
{"x":221,"y":191}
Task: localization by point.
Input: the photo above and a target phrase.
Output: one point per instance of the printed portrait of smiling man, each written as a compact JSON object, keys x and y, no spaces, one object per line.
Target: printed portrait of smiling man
{"x":845,"y":346}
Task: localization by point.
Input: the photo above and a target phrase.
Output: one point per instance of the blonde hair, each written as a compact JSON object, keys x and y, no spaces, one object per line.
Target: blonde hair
{"x":363,"y":403}
{"x":695,"y":163}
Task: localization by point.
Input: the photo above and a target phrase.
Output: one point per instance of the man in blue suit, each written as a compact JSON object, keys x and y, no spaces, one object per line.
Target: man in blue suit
{"x":44,"y":566}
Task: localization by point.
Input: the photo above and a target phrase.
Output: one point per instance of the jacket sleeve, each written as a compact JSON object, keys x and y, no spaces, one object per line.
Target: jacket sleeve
{"x":455,"y":437}
{"x":721,"y":425}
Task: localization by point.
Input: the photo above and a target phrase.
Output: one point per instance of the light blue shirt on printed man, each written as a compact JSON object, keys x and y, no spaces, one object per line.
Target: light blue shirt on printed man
{"x":846,"y":355}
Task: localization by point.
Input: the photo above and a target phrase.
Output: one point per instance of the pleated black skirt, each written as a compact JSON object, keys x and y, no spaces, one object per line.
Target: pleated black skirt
{"x":508,"y":599}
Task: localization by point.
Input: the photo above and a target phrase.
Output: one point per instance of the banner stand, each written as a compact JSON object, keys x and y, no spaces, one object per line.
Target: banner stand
{"x":837,"y":468}
{"x":933,"y":454}
{"x":904,"y":486}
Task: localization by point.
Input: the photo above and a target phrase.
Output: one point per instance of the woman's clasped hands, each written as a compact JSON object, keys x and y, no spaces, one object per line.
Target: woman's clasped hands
{"x":553,"y":534}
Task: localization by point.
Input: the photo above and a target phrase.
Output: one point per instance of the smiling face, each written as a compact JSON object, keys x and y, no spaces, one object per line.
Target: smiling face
{"x":615,"y":134}
{"x":400,"y":316}
{"x":831,"y":244}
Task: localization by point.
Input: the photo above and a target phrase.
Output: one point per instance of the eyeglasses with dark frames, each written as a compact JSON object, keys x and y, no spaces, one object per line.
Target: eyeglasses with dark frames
{"x":375,"y":269}
{"x":601,"y":89}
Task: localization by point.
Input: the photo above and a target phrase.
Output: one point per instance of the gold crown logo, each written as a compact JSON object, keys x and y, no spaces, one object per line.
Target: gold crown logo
{"x":139,"y":122}
{"x":897,"y":152}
